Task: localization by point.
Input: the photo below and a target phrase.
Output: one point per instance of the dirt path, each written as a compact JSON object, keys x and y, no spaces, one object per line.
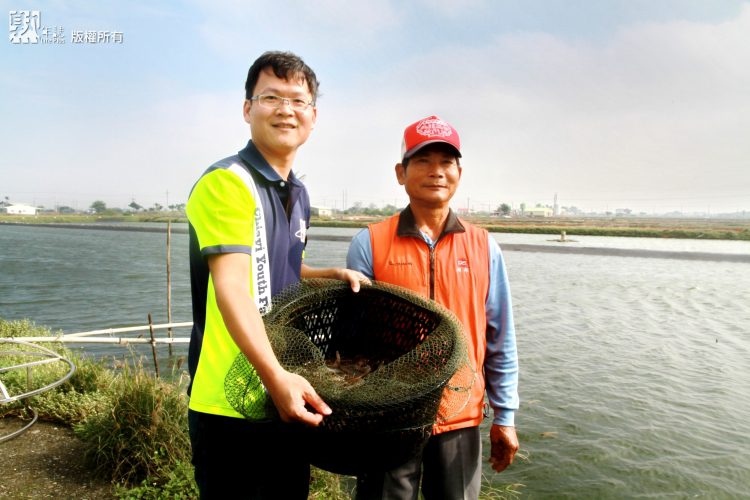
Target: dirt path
{"x":46,"y":461}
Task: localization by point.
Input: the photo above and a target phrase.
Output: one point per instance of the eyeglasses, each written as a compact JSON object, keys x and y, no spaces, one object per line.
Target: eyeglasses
{"x":275,"y":102}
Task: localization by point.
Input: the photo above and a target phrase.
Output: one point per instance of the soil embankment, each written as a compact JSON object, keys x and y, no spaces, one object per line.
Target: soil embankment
{"x":46,"y":461}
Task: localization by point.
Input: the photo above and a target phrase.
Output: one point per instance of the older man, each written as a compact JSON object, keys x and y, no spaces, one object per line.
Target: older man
{"x":428,"y":249}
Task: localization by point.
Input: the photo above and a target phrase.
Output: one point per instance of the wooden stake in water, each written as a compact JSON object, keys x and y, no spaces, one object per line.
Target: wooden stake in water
{"x":153,"y":344}
{"x":169,"y":281}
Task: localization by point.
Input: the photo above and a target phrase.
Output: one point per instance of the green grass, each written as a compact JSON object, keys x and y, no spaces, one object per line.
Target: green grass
{"x":93,"y":218}
{"x":631,"y":232}
{"x":134,"y":425}
{"x":329,"y":486}
{"x":142,"y":435}
{"x":84,"y":394}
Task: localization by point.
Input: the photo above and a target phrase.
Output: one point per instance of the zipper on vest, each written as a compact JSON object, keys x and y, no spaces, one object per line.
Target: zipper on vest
{"x":432,"y":271}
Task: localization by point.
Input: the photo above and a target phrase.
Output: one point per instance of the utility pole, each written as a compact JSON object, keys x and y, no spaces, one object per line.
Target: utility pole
{"x":555,"y":207}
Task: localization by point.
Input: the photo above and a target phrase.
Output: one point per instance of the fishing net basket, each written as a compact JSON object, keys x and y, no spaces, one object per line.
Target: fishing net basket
{"x":402,"y":351}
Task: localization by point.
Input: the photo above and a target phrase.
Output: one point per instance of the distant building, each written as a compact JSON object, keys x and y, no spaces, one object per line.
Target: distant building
{"x":17,"y":209}
{"x":322,"y":211}
{"x":538,"y":212}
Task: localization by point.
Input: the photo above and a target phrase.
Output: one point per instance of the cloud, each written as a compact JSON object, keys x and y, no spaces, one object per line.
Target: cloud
{"x":451,"y":8}
{"x":326,"y":25}
{"x":652,"y":112}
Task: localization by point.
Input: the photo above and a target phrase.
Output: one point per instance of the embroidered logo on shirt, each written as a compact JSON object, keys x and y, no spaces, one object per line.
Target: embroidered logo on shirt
{"x":462,"y":266}
{"x":302,"y":232}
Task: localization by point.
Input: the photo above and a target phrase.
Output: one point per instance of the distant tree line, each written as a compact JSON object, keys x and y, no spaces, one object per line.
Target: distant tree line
{"x":100,"y":207}
{"x":359,"y":209}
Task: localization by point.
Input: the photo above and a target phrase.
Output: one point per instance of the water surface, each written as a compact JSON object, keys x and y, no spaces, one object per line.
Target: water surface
{"x":634,"y":371}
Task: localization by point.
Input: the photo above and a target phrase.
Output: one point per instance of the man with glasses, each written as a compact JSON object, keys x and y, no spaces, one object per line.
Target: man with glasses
{"x":248,"y":216}
{"x":429,"y":250}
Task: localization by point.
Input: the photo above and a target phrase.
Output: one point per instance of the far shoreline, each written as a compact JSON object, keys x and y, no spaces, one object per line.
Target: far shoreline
{"x":633,"y":227}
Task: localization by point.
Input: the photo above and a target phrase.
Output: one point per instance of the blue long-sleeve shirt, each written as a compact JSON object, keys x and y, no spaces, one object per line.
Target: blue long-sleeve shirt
{"x":501,"y":360}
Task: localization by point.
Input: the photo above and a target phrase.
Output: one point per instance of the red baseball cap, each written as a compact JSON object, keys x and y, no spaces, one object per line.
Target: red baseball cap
{"x":429,"y":131}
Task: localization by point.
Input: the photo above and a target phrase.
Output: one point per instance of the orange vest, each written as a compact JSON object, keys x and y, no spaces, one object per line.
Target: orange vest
{"x":455,"y":274}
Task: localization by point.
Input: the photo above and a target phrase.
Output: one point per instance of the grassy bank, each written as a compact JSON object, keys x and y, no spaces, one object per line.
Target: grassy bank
{"x":715,"y":229}
{"x":638,"y":227}
{"x":132,"y":426}
{"x":93,"y":218}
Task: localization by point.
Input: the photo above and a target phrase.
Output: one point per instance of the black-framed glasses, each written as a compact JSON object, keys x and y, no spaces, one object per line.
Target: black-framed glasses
{"x":274,"y":101}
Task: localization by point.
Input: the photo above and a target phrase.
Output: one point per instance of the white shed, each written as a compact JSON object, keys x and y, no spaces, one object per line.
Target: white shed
{"x":322,"y":211}
{"x":18,"y":209}
{"x":538,"y":212}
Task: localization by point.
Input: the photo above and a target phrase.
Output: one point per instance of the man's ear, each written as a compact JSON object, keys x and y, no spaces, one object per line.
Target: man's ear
{"x":400,"y":173}
{"x":246,"y":109}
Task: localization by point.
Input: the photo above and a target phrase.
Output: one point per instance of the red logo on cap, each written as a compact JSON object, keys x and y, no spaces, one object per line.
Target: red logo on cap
{"x":434,"y":127}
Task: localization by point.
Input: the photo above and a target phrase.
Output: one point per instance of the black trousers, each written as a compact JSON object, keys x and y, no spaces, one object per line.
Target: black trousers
{"x":238,"y":459}
{"x":449,"y":468}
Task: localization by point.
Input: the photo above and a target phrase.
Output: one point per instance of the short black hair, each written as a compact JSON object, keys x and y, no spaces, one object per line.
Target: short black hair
{"x":285,"y":65}
{"x":437,"y":146}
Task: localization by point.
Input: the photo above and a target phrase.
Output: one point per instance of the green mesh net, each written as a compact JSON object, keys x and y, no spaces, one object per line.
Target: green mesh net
{"x":388,"y":362}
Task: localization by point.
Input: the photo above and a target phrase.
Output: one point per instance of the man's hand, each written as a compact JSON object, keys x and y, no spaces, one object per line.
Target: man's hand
{"x":355,"y":278}
{"x":292,"y":395}
{"x":504,"y":446}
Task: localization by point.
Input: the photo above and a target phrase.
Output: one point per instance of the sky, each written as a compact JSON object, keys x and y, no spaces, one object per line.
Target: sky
{"x":606,"y":104}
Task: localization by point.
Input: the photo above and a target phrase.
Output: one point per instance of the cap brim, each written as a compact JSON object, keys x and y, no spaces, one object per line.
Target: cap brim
{"x":418,"y":147}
